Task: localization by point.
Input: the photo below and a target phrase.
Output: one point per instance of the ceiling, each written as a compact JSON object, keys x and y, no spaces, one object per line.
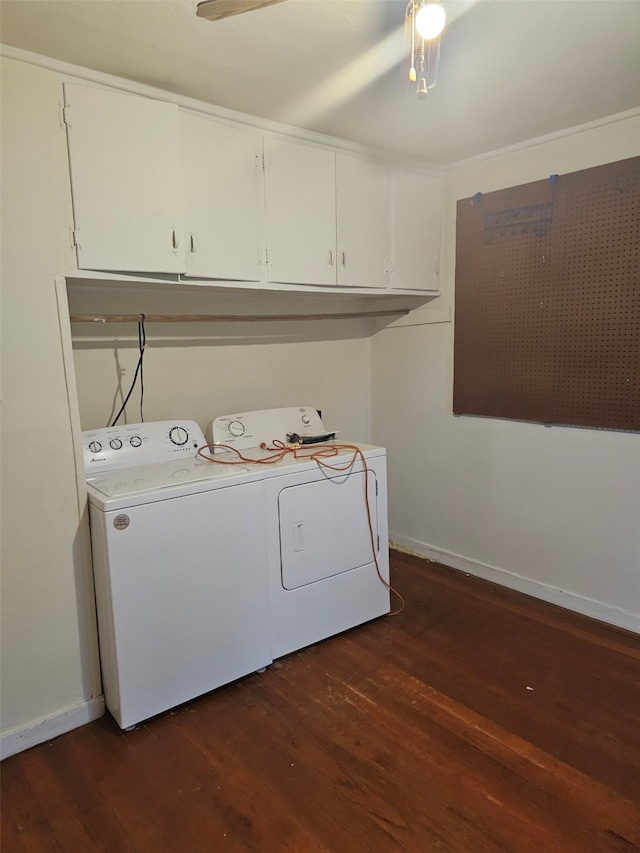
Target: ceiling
{"x":510,"y":70}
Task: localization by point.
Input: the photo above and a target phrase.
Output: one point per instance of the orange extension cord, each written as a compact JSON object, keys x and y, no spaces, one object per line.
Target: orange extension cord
{"x":318,"y":453}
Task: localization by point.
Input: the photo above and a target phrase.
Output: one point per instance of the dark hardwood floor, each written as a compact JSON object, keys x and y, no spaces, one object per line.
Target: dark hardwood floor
{"x":476,"y":720}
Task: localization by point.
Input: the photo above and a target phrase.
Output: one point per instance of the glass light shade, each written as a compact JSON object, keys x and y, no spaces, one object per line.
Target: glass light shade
{"x":430,"y":20}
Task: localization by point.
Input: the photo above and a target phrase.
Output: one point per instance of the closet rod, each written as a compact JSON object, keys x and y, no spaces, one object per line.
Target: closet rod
{"x":228,"y":318}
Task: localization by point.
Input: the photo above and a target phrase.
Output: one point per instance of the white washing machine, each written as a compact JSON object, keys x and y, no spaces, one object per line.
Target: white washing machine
{"x":328,"y":570}
{"x":179,"y":551}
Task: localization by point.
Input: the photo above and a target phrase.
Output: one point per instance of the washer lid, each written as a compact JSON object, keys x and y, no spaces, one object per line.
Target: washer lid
{"x":163,"y":475}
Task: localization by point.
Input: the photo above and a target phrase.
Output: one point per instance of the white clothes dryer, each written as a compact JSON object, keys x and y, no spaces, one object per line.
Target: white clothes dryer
{"x":328,"y":568}
{"x":179,"y":559}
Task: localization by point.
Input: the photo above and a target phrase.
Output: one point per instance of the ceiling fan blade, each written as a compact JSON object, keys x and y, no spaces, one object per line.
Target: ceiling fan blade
{"x":215,"y":10}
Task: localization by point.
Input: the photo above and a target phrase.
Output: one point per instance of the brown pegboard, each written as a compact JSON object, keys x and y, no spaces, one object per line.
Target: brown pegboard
{"x":547,"y":320}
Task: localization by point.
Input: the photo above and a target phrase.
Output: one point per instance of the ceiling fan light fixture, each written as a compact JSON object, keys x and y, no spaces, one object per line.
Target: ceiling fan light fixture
{"x":424,"y":23}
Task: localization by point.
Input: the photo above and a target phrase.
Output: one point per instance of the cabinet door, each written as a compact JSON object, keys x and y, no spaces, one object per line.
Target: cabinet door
{"x":416,"y":231}
{"x":222,"y":199}
{"x":300,"y":212}
{"x":363,"y":222}
{"x":125,"y":180}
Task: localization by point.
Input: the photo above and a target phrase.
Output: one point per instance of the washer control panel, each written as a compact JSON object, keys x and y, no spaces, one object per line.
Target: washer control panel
{"x":115,"y":447}
{"x":251,"y":429}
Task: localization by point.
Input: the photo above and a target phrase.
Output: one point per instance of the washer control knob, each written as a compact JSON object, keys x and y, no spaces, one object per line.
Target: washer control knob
{"x":306,"y":420}
{"x":95,"y":446}
{"x":115,"y":444}
{"x":135,"y":441}
{"x":236,"y":428}
{"x":178,"y":435}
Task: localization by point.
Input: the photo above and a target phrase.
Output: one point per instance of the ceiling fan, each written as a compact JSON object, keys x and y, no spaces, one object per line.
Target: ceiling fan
{"x":215,"y":10}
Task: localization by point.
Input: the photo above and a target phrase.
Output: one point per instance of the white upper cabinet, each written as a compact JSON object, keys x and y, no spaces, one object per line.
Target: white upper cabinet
{"x":362,"y":222}
{"x":158,"y":189}
{"x":327,"y":216}
{"x":125,"y":177}
{"x":301,"y":212}
{"x":223,"y":199}
{"x":416,"y":231}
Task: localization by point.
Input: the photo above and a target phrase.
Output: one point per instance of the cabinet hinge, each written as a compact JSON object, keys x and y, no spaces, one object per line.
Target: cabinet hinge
{"x":378,"y":542}
{"x":66,"y":116}
{"x":388,"y":266}
{"x":267,"y":257}
{"x":260,"y":162}
{"x":75,"y":237}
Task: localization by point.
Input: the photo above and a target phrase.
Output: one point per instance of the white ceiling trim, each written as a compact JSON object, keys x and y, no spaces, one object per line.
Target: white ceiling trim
{"x":549,"y":137}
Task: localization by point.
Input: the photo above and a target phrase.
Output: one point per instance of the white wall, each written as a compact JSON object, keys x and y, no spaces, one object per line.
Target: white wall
{"x":201,"y":381}
{"x":555,"y":511}
{"x":49,"y":653}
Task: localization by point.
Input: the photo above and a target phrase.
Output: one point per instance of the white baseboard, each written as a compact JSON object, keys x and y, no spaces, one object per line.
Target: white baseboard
{"x":23,"y":737}
{"x":554,"y":595}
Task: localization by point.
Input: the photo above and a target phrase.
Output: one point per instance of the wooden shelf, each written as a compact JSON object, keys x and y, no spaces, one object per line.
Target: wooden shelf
{"x":107,"y":307}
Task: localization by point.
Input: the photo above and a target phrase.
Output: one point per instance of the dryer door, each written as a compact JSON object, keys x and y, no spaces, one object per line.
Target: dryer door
{"x":324,"y":530}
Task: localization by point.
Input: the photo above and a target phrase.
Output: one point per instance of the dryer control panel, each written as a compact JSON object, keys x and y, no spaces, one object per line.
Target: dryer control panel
{"x":251,"y":429}
{"x":115,"y":447}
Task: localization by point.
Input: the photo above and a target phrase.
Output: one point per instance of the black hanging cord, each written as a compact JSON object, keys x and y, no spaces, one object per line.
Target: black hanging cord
{"x":142,"y":345}
{"x":142,"y":340}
